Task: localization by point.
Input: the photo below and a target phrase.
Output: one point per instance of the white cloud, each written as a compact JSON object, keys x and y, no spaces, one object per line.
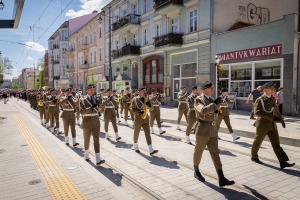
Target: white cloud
{"x":87,"y":7}
{"x":29,"y":58}
{"x":35,"y":46}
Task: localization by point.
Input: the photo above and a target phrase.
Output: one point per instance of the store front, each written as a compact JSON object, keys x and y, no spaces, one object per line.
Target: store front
{"x":153,"y":72}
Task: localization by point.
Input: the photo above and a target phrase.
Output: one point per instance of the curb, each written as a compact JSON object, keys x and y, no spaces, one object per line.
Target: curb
{"x":247,"y":134}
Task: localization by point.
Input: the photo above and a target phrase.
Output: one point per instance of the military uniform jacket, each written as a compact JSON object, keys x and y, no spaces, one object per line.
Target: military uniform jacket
{"x":265,"y":109}
{"x":191,"y":101}
{"x":155,"y":101}
{"x":39,"y":97}
{"x":52,"y":104}
{"x":182,"y":103}
{"x":90,"y":116}
{"x":110,"y":104}
{"x":126,"y":99}
{"x":138,"y":104}
{"x":225,"y":103}
{"x":68,"y":106}
{"x":117,"y":105}
{"x":207,"y":118}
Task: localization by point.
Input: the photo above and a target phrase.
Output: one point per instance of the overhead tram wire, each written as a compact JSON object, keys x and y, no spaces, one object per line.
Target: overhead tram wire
{"x":45,"y":31}
{"x":31,"y":30}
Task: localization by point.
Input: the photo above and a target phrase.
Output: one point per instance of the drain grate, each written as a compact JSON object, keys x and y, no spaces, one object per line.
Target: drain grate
{"x":34,"y":182}
{"x":2,"y":150}
{"x":24,"y":145}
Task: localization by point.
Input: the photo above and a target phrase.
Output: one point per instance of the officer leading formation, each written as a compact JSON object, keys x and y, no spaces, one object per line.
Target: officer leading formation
{"x":203,"y":113}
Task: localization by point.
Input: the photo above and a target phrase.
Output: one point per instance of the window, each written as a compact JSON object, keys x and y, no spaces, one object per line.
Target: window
{"x":241,"y":72}
{"x":124,"y":13}
{"x":94,"y":56}
{"x":100,"y":32}
{"x":117,"y":44}
{"x":153,"y":70}
{"x":94,"y":36}
{"x":147,"y":74}
{"x":134,"y":39}
{"x":177,"y":71}
{"x":146,"y":37}
{"x":160,"y":71}
{"x":134,"y":9}
{"x":86,"y":40}
{"x":125,"y":40}
{"x":91,"y":38}
{"x":91,"y":60}
{"x":193,"y":21}
{"x":158,"y":29}
{"x":174,"y":25}
{"x":146,"y":6}
{"x":100,"y":54}
{"x":189,"y":70}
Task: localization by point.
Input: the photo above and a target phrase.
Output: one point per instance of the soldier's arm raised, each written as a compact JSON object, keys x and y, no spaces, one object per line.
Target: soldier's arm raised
{"x":181,"y":97}
{"x":204,"y":109}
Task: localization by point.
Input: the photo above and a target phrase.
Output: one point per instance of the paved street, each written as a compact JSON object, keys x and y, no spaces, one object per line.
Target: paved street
{"x":29,"y":152}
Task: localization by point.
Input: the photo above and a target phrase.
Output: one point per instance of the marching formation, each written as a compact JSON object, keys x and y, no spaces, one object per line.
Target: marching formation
{"x":203,"y":113}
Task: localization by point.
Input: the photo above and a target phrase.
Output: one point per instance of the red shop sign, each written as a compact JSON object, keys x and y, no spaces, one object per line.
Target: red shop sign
{"x":251,"y":53}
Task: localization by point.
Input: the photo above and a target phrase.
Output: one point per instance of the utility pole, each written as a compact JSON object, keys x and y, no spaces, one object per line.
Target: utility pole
{"x":109,"y":49}
{"x":33,"y":75}
{"x":52,"y":70}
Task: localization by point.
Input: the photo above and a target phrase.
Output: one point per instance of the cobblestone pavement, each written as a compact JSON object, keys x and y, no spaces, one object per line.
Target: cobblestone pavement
{"x":126,"y":174}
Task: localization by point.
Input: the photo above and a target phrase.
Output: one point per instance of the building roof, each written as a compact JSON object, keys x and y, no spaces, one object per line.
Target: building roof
{"x":64,"y":25}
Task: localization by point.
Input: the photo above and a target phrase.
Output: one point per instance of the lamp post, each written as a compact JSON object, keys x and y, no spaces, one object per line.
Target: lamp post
{"x":109,"y":45}
{"x":33,"y":76}
{"x":1,"y":5}
{"x":217,"y":65}
{"x":52,"y":70}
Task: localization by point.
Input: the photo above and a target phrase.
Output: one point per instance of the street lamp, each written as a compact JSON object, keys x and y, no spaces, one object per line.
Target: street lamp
{"x":1,"y":5}
{"x":218,"y":66}
{"x":52,"y":70}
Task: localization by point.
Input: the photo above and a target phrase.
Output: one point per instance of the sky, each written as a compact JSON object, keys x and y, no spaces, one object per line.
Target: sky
{"x":39,"y":20}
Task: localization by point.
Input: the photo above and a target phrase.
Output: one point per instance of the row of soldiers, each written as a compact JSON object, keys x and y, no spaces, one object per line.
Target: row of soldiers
{"x":205,"y":108}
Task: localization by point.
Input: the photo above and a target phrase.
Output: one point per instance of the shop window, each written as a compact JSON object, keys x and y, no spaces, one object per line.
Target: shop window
{"x":154,"y":68}
{"x":188,"y":70}
{"x":177,"y":71}
{"x":267,"y":70}
{"x":241,"y":72}
{"x":242,"y":89}
{"x":160,"y":71}
{"x":224,"y":71}
{"x":147,"y":73}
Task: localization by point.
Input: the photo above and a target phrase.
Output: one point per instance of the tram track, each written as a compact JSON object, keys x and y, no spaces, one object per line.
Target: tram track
{"x":148,"y":192}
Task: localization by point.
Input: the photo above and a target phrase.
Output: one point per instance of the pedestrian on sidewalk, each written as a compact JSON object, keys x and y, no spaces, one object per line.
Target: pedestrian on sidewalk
{"x":207,"y":133}
{"x":90,"y":123}
{"x":254,"y":95}
{"x":268,"y":114}
{"x":191,"y":115}
{"x":182,"y":105}
{"x":280,"y":99}
{"x":224,"y":113}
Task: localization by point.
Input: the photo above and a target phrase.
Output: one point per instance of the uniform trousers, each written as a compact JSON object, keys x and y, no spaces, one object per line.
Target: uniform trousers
{"x":138,"y":124}
{"x":191,"y":120}
{"x":155,"y":115}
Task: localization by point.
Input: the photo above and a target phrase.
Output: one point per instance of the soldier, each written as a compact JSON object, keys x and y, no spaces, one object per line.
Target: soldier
{"x":127,"y":101}
{"x":90,"y":123}
{"x":77,"y":95}
{"x":53,"y":109}
{"x":182,"y":105}
{"x":224,"y":113}
{"x":110,"y":102}
{"x":47,"y":96}
{"x":140,"y":107}
{"x":5,"y":96}
{"x":207,"y":133}
{"x":121,"y":103}
{"x":41,"y":108}
{"x":191,"y":115}
{"x":68,"y":115}
{"x":268,"y":114}
{"x":115,"y":94}
{"x":155,"y":100}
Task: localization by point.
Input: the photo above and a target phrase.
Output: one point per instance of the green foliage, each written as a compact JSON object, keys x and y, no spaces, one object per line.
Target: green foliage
{"x":15,"y":86}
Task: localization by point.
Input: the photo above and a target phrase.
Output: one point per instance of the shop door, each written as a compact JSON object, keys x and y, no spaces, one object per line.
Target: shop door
{"x":176,"y":86}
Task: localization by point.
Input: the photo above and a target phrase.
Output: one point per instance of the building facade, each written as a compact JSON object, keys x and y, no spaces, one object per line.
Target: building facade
{"x":29,"y":78}
{"x":254,"y":50}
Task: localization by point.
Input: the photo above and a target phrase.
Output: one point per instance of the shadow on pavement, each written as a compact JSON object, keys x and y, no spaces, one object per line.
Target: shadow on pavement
{"x":120,"y":144}
{"x":224,"y":152}
{"x":254,"y":192}
{"x":233,"y":194}
{"x":242,"y":144}
{"x":167,"y":137}
{"x":289,"y":171}
{"x":161,"y":162}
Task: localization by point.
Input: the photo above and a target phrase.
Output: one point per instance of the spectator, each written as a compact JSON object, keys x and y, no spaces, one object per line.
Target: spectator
{"x":254,"y":94}
{"x":280,"y":99}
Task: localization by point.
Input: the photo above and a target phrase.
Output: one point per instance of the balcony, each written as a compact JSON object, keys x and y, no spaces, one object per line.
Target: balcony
{"x":167,"y":6}
{"x":70,"y":52}
{"x":127,"y":23}
{"x":55,"y":61}
{"x":84,"y":66}
{"x":55,"y":46}
{"x":70,"y":69}
{"x":126,"y":51}
{"x":56,"y":77}
{"x":83,"y":47}
{"x":170,"y":40}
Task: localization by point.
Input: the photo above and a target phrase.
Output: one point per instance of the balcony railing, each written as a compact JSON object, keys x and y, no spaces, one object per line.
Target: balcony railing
{"x":168,"y":39}
{"x":128,"y":19}
{"x":83,"y":47}
{"x":84,"y":66}
{"x":56,"y":77}
{"x":70,"y":69}
{"x":126,"y":50}
{"x":55,"y":61}
{"x":162,"y":3}
{"x":55,"y":46}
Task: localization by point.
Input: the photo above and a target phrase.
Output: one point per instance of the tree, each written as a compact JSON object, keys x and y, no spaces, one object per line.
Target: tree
{"x":5,"y":67}
{"x":92,"y":78}
{"x":15,"y":86}
{"x":41,"y":66}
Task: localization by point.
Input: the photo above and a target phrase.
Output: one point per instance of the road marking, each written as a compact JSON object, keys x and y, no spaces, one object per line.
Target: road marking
{"x":56,"y":179}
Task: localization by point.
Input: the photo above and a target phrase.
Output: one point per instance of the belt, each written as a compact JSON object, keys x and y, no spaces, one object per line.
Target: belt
{"x":90,"y":115}
{"x":109,"y":107}
{"x":68,"y":109}
{"x":182,"y":101}
{"x":156,"y":105}
{"x":206,"y":122}
{"x":192,"y":108}
{"x":52,"y":105}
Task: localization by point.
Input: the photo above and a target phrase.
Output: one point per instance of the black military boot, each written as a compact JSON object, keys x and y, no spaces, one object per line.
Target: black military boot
{"x":198,"y":175}
{"x":222,"y":180}
{"x":286,"y":164}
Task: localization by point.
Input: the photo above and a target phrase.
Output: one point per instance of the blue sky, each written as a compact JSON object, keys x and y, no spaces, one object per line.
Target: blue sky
{"x":22,"y":56}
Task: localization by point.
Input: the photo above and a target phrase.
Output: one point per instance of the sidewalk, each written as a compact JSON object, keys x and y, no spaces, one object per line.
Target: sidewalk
{"x":243,"y":126}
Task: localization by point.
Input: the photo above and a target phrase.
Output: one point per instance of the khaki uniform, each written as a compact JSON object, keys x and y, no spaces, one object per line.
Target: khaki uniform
{"x":182,"y":106}
{"x":155,"y":110}
{"x":224,"y":114}
{"x":121,"y":105}
{"x":77,"y":102}
{"x":45,"y":98}
{"x":206,"y":130}
{"x":265,"y":109}
{"x":110,"y":104}
{"x":53,"y":110}
{"x":117,"y":106}
{"x":90,"y":122}
{"x":127,"y":98}
{"x":68,"y":115}
{"x":139,"y":122}
{"x":41,"y":107}
{"x":191,"y":114}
